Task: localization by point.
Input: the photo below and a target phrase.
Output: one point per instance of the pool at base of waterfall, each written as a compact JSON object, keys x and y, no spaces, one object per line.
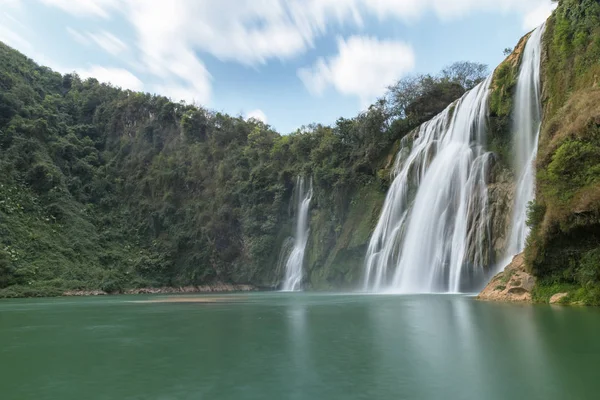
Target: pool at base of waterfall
{"x":296,"y":346}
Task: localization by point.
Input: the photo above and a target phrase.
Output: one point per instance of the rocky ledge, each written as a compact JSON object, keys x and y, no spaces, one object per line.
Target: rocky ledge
{"x":214,"y":288}
{"x":514,"y":284}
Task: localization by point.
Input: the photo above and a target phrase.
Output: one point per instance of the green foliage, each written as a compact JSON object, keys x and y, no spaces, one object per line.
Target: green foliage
{"x":417,"y":99}
{"x":574,"y":164}
{"x":588,"y":273}
{"x":501,"y":105}
{"x":6,"y":268}
{"x":535,"y":214}
{"x":546,"y":288}
{"x":573,"y":45}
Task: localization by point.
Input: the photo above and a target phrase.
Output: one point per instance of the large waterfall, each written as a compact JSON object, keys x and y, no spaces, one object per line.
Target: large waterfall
{"x":293,"y":266}
{"x":434,"y":233}
{"x":526,"y":130}
{"x":435,"y":220}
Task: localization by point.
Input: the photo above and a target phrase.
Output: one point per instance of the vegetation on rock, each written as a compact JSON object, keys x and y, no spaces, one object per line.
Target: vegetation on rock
{"x":564,"y":247}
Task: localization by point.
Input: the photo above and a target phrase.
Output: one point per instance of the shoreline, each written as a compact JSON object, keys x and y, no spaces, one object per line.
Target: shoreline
{"x":214,"y":288}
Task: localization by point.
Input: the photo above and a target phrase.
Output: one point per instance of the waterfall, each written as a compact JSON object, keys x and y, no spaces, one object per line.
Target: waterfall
{"x":293,"y":266}
{"x":526,"y":130}
{"x":433,"y":232}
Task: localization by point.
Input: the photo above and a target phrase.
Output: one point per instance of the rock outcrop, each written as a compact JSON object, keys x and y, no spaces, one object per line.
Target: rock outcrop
{"x":514,"y":284}
{"x":558,"y":297}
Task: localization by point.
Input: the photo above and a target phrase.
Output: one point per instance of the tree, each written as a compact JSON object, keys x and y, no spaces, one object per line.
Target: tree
{"x":466,"y":73}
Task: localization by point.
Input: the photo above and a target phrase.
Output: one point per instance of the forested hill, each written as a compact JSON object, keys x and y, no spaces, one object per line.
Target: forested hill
{"x":103,"y":188}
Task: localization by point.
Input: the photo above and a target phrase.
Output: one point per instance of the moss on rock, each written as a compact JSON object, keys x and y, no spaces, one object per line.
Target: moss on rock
{"x":565,"y":219}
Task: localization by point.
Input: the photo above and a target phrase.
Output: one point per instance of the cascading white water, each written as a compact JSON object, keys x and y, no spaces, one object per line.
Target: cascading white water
{"x":526,"y":130}
{"x":293,"y":266}
{"x":433,"y":234}
{"x":434,"y":227}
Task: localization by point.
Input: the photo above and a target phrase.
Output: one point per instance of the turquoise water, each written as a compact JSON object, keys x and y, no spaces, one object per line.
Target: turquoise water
{"x":297,"y":346}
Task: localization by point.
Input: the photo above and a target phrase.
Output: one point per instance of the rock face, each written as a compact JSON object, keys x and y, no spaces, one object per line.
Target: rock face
{"x":557,"y":298}
{"x":501,"y":192}
{"x":514,"y":284}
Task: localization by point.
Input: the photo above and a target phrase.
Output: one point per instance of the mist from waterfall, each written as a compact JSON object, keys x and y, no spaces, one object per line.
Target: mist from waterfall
{"x":526,"y":130}
{"x":293,"y":267}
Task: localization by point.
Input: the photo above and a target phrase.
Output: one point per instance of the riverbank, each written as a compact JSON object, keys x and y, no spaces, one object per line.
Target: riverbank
{"x":24,"y":292}
{"x":215,"y":288}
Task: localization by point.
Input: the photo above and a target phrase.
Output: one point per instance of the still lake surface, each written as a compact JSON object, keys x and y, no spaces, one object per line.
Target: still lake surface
{"x":296,"y":346}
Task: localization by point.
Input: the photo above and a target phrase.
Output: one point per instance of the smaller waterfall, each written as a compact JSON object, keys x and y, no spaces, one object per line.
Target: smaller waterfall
{"x":293,"y":267}
{"x":526,"y":130}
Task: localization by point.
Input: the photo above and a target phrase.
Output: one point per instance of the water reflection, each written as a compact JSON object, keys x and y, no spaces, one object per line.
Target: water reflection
{"x":465,"y":349}
{"x":304,"y":346}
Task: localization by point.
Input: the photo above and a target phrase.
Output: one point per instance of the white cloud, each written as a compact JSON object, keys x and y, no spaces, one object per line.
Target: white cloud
{"x":178,"y":92}
{"x":538,"y":15}
{"x":108,"y":42}
{"x":170,"y":35}
{"x":446,"y":9}
{"x":98,"y":8}
{"x":257,"y":114}
{"x":116,"y":76}
{"x":253,"y":31}
{"x":10,"y":36}
{"x":10,"y":3}
{"x":78,"y":37}
{"x":13,"y":39}
{"x":363,"y":67}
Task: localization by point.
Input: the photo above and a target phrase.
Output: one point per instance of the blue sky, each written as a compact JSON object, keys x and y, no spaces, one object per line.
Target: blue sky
{"x":289,"y":62}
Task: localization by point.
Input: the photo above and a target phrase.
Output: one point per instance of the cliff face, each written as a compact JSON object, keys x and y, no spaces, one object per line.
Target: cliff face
{"x":564,"y":248}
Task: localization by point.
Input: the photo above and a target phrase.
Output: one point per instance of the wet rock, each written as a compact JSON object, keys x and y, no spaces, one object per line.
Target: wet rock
{"x":514,"y":284}
{"x":501,"y":192}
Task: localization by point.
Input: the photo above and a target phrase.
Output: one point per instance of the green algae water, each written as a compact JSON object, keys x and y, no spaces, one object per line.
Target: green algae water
{"x":296,"y":346}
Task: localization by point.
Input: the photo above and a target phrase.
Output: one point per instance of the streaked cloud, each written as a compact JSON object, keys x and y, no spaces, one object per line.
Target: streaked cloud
{"x":109,"y":42}
{"x":78,"y":37}
{"x":97,"y":8}
{"x":171,"y":36}
{"x":119,"y":77}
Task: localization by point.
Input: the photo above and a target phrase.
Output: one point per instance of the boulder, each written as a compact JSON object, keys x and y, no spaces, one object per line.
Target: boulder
{"x":557,"y":298}
{"x":514,"y":284}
